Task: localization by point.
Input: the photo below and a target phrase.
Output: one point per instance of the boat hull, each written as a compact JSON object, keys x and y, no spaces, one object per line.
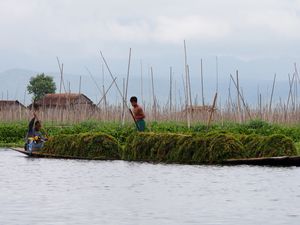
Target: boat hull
{"x":266,"y":161}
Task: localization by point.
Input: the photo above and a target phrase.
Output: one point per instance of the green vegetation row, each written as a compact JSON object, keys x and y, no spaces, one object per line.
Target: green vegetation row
{"x":87,"y":145}
{"x":14,"y":133}
{"x":210,"y":148}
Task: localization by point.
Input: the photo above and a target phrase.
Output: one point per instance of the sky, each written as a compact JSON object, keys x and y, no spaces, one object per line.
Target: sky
{"x":257,"y":37}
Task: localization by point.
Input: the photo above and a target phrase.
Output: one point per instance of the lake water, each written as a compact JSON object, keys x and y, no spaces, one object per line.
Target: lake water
{"x":54,"y":191}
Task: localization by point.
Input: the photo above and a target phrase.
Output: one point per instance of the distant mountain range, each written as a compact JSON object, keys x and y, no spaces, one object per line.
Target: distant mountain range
{"x":13,"y":85}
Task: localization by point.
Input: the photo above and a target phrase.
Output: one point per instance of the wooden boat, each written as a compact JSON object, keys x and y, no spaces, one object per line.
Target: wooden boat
{"x":264,"y":161}
{"x":35,"y":153}
{"x":38,"y":154}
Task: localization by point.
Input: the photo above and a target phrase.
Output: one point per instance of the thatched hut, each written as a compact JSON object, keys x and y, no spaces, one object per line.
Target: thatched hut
{"x":11,"y":105}
{"x":64,"y":101}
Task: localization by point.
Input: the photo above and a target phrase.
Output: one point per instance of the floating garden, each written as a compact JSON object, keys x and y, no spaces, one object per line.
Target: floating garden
{"x":166,"y":142}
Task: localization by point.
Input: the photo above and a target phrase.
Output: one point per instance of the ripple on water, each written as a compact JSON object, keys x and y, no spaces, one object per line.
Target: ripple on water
{"x":117,"y":192}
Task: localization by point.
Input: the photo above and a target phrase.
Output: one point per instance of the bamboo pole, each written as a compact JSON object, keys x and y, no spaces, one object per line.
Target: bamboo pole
{"x":153,"y":95}
{"x":110,"y":73}
{"x":190,"y":91}
{"x":142,"y":91}
{"x":93,"y":79}
{"x":241,"y":96}
{"x":170,"y":92}
{"x":126,"y":87}
{"x":272,"y":92}
{"x":79,"y":90}
{"x":217,"y":75}
{"x":123,"y":106}
{"x":103,"y":91}
{"x":202,"y":88}
{"x":291,"y":81}
{"x":237,"y":85}
{"x":188,"y":117}
{"x":61,"y":70}
{"x":175,"y":100}
{"x":298,"y":79}
{"x":230,"y":102}
{"x":184,"y":90}
{"x":296,"y":88}
{"x":24,"y":100}
{"x":212,"y":110}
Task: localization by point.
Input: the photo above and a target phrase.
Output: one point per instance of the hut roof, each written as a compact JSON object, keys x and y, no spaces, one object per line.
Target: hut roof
{"x":9,"y":103}
{"x":64,"y":99}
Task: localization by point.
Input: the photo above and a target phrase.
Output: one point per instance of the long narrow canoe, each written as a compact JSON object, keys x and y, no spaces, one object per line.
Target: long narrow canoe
{"x":38,"y":154}
{"x":34,"y":153}
{"x":264,"y":161}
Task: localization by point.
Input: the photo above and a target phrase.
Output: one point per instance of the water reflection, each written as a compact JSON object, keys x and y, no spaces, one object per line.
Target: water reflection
{"x":52,"y":191}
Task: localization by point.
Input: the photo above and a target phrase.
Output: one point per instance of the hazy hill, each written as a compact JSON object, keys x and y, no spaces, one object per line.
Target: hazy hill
{"x":13,"y":83}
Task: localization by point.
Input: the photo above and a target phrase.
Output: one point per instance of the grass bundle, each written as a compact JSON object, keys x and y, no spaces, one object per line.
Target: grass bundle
{"x":86,"y":145}
{"x":213,"y":147}
{"x":177,"y":148}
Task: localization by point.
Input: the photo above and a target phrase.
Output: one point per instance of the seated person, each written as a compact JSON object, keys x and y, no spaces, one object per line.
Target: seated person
{"x":34,"y":140}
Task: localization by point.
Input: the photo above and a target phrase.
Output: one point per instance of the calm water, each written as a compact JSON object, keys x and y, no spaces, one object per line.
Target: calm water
{"x":51,"y":191}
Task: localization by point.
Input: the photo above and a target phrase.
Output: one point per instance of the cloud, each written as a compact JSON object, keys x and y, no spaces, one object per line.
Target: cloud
{"x":275,"y":23}
{"x":248,"y":28}
{"x":168,"y":30}
{"x":192,"y":27}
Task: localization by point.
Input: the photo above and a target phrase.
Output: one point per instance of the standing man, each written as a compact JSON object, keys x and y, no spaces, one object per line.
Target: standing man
{"x":138,"y":114}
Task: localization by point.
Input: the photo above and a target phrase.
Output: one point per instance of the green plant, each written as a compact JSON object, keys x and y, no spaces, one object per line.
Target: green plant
{"x":41,"y":85}
{"x":85,"y":145}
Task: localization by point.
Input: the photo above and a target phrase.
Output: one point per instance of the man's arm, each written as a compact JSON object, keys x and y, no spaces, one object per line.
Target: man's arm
{"x":31,"y":124}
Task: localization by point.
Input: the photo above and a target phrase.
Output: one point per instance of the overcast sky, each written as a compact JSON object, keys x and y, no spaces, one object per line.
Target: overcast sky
{"x":257,"y":36}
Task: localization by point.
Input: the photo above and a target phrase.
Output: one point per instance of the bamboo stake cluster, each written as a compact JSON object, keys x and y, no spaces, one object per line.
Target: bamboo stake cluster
{"x":179,"y":107}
